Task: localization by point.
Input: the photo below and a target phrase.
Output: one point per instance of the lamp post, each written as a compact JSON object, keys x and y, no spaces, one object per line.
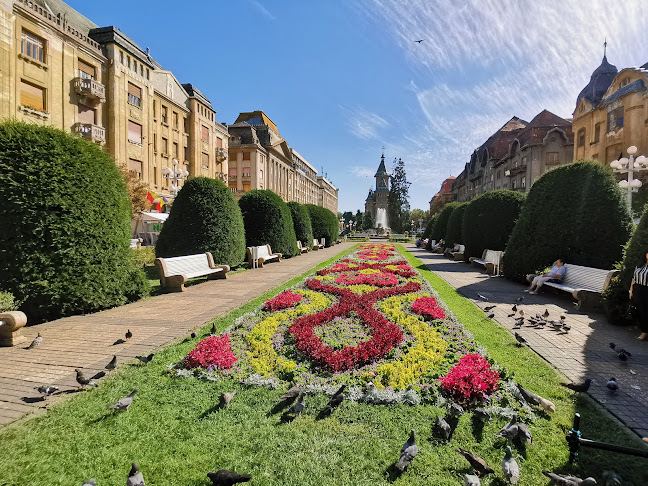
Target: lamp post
{"x":174,"y":175}
{"x":630,"y":166}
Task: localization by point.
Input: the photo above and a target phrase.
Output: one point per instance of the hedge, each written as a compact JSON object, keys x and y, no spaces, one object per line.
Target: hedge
{"x":489,"y":220}
{"x":65,"y":219}
{"x":324,"y":223}
{"x":429,"y":226}
{"x":441,"y":224}
{"x":204,"y":218}
{"x":454,"y":231}
{"x":575,"y":212}
{"x":301,"y":223}
{"x":268,"y":221}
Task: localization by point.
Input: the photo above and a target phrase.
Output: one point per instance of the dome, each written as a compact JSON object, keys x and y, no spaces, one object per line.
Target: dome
{"x":600,"y":81}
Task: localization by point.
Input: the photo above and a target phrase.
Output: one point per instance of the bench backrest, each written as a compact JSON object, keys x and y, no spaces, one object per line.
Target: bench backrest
{"x":323,"y":241}
{"x":299,"y":245}
{"x":315,"y":242}
{"x":493,"y":256}
{"x":462,"y":248}
{"x":585,"y":277}
{"x":187,"y":265}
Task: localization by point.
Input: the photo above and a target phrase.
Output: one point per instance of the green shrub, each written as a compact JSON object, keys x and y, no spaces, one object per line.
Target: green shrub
{"x":301,"y":223}
{"x":429,"y":226}
{"x":65,"y":218}
{"x":7,"y":302}
{"x":489,"y":220}
{"x":575,"y":212}
{"x":441,"y":225}
{"x":204,"y":218}
{"x":325,"y":224}
{"x":268,"y":222}
{"x":454,"y":231}
{"x":143,"y":256}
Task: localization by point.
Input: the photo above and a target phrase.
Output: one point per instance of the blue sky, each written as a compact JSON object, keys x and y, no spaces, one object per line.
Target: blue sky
{"x":343,"y":78}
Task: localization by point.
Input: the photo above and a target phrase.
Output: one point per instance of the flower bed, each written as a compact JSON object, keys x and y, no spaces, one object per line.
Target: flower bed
{"x":212,"y":352}
{"x":471,"y":379}
{"x":282,"y":301}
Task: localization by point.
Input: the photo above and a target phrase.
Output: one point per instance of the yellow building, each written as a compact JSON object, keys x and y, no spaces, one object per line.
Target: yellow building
{"x":611,"y":113}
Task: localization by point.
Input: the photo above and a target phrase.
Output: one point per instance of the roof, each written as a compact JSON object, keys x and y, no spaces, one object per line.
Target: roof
{"x":600,"y":81}
{"x":111,"y":34}
{"x":71,"y":16}
{"x":382,"y":170}
{"x":194,"y":92}
{"x":497,"y":145}
{"x":245,"y":132}
{"x":637,"y":85}
{"x":370,"y":195}
{"x":257,"y":117}
{"x":542,"y":123}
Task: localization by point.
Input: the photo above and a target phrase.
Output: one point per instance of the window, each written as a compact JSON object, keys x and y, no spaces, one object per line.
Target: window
{"x":155,"y":176}
{"x":204,"y":160}
{"x":186,"y":125}
{"x":135,"y":133}
{"x":186,"y":153}
{"x":246,"y":155}
{"x":232,"y":171}
{"x":219,"y":142}
{"x":32,"y":96}
{"x":32,"y":46}
{"x":247,"y":172}
{"x":523,"y":182}
{"x":134,"y":95}
{"x":524,"y":160}
{"x":513,"y":183}
{"x":175,"y":120}
{"x":154,"y":109}
{"x":147,"y":73}
{"x":499,"y":174}
{"x":165,"y":146}
{"x":205,"y":133}
{"x":155,"y":142}
{"x":165,"y":112}
{"x":86,"y":71}
{"x":615,"y":119}
{"x":624,"y":82}
{"x":552,"y":158}
{"x":86,"y":114}
{"x":232,"y":186}
{"x":246,"y":186}
{"x":581,"y":137}
{"x":135,"y":66}
{"x":121,"y":57}
{"x":582,"y":108}
{"x":597,"y":133}
{"x":175,"y":150}
{"x":135,"y":167}
{"x":128,"y":61}
{"x":141,"y":70}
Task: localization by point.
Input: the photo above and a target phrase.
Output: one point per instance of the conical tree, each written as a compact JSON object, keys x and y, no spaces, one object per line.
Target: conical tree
{"x":398,"y":204}
{"x":204,"y":218}
{"x":324,"y":222}
{"x":454,"y":231}
{"x":575,"y":212}
{"x":301,"y":223}
{"x":441,"y":224}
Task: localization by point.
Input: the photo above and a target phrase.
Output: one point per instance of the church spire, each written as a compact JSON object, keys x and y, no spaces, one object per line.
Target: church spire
{"x":605,"y":48}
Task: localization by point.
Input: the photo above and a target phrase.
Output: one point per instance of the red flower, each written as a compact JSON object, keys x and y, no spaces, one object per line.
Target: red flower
{"x":428,"y":307}
{"x":214,"y":352}
{"x":282,"y":301}
{"x":470,"y":379}
{"x":384,"y":279}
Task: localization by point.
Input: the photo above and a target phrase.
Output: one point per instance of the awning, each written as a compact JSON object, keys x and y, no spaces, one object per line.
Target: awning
{"x":154,"y":217}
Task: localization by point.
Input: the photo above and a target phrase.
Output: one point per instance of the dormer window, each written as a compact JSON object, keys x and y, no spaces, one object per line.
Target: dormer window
{"x":624,"y":82}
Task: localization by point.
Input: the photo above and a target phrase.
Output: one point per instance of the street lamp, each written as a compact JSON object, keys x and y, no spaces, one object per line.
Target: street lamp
{"x":630,"y":166}
{"x":174,"y":175}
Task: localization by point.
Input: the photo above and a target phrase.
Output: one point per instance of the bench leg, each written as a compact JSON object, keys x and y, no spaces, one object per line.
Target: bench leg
{"x":174,"y":284}
{"x":260,"y":262}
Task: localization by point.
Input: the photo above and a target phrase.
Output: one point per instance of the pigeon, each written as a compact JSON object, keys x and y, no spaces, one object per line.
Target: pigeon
{"x":90,"y":482}
{"x":510,"y":467}
{"x":524,"y":435}
{"x":514,"y":308}
{"x":511,"y":315}
{"x":83,"y":380}
{"x":113,"y":364}
{"x":146,"y":359}
{"x":299,"y":406}
{"x":471,"y":480}
{"x":518,"y":323}
{"x":36,"y":341}
{"x":546,"y":314}
{"x":529,"y":396}
{"x":546,"y":405}
{"x":489,"y":307}
{"x":478,"y":464}
{"x":223,"y":477}
{"x":482,"y":297}
{"x":135,"y":477}
{"x":579,"y":387}
{"x":119,"y":341}
{"x":46,"y":390}
{"x":455,"y":410}
{"x":291,"y":394}
{"x":519,"y":300}
{"x":568,"y":480}
{"x":520,"y":339}
{"x":557,"y":325}
{"x":129,"y":334}
{"x":491,"y":315}
{"x":226,"y":398}
{"x":441,"y":428}
{"x":193,"y":335}
{"x":213,"y":329}
{"x":334,"y":401}
{"x":612,"y":385}
{"x":125,"y":402}
{"x":408,"y":453}
{"x":510,"y":430}
{"x":612,"y":478}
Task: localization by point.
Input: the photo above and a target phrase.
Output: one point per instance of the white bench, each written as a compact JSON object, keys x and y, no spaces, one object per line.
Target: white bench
{"x":317,"y":245}
{"x":491,"y":260}
{"x":302,"y":249}
{"x":586,"y":284}
{"x":136,"y":243}
{"x":175,"y":271}
{"x":264,"y":255}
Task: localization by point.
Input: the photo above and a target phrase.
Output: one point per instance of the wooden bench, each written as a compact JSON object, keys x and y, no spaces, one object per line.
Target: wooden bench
{"x":264,"y":255}
{"x":491,"y":260}
{"x":586,"y":284}
{"x":317,"y":245}
{"x":302,"y":249}
{"x":175,"y":271}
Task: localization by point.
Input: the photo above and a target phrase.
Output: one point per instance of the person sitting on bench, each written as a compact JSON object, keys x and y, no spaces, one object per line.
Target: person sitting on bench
{"x":449,"y":252}
{"x":555,"y":275}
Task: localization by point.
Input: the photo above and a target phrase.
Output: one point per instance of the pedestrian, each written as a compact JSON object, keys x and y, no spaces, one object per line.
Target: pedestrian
{"x":556,"y":274}
{"x":639,"y":295}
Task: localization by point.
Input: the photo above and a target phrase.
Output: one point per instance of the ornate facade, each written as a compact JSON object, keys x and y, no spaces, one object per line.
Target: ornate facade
{"x":378,"y":199}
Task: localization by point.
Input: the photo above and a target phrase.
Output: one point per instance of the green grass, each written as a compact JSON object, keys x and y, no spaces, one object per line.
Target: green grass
{"x":176,"y":436}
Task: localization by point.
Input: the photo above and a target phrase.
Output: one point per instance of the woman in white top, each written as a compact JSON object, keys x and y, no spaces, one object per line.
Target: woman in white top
{"x":639,"y":293}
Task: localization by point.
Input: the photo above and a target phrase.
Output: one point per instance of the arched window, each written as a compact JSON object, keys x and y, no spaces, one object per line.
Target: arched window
{"x":581,"y":137}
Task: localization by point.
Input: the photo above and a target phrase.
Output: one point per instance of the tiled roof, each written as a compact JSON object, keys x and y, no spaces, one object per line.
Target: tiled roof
{"x":537,"y":129}
{"x":382,"y":170}
{"x":600,"y":81}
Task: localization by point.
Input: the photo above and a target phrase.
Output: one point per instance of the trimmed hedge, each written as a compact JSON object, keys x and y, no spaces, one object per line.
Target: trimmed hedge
{"x":204,"y":218}
{"x":268,"y":221}
{"x":301,"y":223}
{"x":65,"y":217}
{"x":575,"y":212}
{"x":429,"y":226}
{"x":489,"y":221}
{"x":441,"y":224}
{"x":454,"y":232}
{"x":324,"y":223}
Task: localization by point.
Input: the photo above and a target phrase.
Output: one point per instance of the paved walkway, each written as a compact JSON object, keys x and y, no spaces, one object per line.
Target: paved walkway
{"x":582,"y":353}
{"x":87,"y":341}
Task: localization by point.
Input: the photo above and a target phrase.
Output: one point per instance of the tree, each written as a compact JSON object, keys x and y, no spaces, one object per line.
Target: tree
{"x":398,"y":205}
{"x":137,"y":191}
{"x":358,"y":219}
{"x":368,"y":222}
{"x":441,"y":224}
{"x":301,"y":223}
{"x":324,"y":223}
{"x":575,"y":212}
{"x":430,"y":226}
{"x":454,"y":231}
{"x":420,"y":217}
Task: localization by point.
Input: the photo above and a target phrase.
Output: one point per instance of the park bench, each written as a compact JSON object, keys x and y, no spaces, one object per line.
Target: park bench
{"x":459,"y":255}
{"x":399,"y":238}
{"x":491,"y":260}
{"x":302,"y":249}
{"x":586,"y":284}
{"x":317,"y":245}
{"x":175,"y":271}
{"x":264,"y":254}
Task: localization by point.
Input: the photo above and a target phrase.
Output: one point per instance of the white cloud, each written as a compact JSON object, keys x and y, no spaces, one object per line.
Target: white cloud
{"x":264,"y":11}
{"x":362,"y":123}
{"x":359,"y":171}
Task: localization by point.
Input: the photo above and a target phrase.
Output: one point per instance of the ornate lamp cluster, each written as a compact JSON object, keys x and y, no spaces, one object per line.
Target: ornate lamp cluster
{"x":630,"y":166}
{"x":174,"y":175}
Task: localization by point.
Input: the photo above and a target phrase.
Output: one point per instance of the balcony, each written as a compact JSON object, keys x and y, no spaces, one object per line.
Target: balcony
{"x":91,"y":132}
{"x":90,"y":89}
{"x":221,"y":154}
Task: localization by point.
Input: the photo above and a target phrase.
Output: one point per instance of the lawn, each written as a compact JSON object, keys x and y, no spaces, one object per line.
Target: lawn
{"x":176,"y":434}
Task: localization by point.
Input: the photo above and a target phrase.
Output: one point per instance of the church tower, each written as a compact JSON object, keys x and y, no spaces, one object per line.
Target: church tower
{"x":378,"y":199}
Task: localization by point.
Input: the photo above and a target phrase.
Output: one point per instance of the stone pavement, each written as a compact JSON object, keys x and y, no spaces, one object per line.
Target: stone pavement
{"x":87,"y":341}
{"x":582,"y":353}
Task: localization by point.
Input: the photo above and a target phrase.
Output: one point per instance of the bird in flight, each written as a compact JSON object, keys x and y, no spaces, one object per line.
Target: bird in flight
{"x":419,"y":41}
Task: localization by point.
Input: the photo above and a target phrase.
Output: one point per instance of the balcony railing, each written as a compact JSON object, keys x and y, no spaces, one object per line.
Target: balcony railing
{"x":91,"y":132}
{"x":91,"y":89}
